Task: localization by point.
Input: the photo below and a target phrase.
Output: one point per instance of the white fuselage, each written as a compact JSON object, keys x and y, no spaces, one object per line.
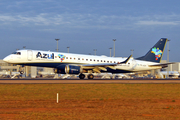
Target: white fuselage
{"x":59,"y":60}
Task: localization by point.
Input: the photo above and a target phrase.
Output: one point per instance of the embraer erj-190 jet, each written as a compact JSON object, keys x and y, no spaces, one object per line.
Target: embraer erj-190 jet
{"x":68,"y":63}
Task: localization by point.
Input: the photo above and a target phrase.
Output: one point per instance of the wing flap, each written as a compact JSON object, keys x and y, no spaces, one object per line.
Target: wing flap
{"x":112,"y":67}
{"x":102,"y":68}
{"x":96,"y":70}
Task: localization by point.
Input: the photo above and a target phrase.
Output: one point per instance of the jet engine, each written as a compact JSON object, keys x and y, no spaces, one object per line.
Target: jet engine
{"x":59,"y":71}
{"x":72,"y":69}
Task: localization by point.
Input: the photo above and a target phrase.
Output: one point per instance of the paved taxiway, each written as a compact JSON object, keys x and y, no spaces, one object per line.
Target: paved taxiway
{"x":94,"y":81}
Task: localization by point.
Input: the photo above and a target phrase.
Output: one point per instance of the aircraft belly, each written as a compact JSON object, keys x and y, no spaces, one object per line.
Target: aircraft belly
{"x":117,"y":70}
{"x":53,"y":65}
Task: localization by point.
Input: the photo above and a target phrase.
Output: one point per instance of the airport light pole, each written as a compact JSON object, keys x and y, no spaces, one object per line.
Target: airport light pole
{"x":110,"y":51}
{"x":168,"y":58}
{"x":57,"y":43}
{"x":68,"y":49}
{"x":25,"y":67}
{"x":95,"y":51}
{"x":132,"y":52}
{"x":114,"y":46}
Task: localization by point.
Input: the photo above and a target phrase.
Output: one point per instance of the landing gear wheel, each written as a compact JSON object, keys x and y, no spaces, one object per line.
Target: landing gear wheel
{"x":90,"y":76}
{"x":81,"y":76}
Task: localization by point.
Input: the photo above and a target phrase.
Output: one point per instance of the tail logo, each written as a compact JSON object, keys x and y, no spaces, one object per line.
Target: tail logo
{"x":157,"y":52}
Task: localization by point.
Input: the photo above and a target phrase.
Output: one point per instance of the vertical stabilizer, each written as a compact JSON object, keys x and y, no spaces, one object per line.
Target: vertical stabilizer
{"x":156,"y":52}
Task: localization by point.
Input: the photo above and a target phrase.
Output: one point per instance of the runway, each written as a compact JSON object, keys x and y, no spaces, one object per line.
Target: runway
{"x":94,"y":81}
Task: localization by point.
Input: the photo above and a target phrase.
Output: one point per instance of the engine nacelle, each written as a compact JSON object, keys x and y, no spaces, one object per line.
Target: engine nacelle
{"x":72,"y":69}
{"x":59,"y":71}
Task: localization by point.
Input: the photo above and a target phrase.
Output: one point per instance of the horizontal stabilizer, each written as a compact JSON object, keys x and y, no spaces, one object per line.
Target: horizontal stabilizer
{"x":163,"y":65}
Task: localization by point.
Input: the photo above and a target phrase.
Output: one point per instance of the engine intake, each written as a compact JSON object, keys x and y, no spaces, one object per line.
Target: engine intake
{"x":71,"y":69}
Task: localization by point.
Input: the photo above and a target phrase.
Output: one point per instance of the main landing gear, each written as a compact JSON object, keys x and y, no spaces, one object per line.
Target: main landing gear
{"x":90,"y":76}
{"x":82,"y":76}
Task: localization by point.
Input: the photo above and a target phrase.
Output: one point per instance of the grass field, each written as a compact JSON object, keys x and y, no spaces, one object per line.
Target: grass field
{"x":90,"y":101}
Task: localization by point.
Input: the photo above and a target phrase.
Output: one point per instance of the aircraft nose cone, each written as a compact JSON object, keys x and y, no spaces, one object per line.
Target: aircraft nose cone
{"x":6,"y":59}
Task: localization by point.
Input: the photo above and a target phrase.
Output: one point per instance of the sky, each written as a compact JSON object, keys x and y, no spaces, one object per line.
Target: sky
{"x":85,"y":25}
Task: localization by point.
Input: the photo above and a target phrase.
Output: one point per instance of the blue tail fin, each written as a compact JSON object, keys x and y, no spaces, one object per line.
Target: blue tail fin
{"x":156,"y":52}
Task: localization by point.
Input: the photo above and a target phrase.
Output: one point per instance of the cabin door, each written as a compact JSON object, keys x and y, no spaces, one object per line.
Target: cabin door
{"x":29,"y":55}
{"x":134,"y":64}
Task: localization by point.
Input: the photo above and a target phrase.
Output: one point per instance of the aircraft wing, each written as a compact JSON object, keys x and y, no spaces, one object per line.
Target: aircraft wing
{"x":163,"y":65}
{"x":103,"y":66}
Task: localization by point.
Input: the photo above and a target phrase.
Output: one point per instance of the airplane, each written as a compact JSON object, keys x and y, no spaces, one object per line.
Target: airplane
{"x":172,"y":74}
{"x":68,"y":63}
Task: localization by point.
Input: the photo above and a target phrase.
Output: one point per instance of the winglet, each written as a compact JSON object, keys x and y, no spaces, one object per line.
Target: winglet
{"x":124,"y":62}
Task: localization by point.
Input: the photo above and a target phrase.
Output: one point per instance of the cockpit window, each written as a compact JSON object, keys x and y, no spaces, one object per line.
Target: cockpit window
{"x":17,"y":53}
